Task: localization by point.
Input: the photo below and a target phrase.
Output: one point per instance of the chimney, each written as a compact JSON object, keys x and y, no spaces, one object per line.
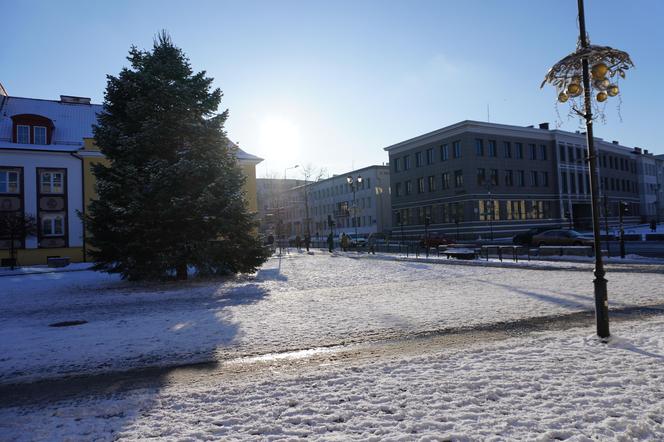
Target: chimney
{"x":74,"y":100}
{"x":645,"y":151}
{"x":544,"y":126}
{"x":615,"y":142}
{"x":637,"y":150}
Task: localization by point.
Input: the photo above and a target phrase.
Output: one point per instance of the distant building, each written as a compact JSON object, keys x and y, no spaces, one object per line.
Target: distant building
{"x":481,"y":179}
{"x":330,"y":204}
{"x":46,"y":153}
{"x":270,"y":193}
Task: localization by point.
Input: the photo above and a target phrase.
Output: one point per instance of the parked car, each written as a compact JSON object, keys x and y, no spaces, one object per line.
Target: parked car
{"x":526,"y":238}
{"x":561,"y":238}
{"x":357,"y":240}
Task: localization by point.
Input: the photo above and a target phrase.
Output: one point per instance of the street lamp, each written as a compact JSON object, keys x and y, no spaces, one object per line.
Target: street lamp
{"x":289,"y":168}
{"x":571,"y":76}
{"x":353,"y":184}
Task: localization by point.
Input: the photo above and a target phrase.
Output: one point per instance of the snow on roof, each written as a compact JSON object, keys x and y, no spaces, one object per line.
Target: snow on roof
{"x":72,"y":122}
{"x":244,"y":156}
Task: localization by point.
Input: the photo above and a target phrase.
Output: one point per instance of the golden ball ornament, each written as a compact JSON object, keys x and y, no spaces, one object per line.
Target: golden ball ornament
{"x":574,"y":90}
{"x":602,"y":84}
{"x":612,"y":90}
{"x":602,"y":96}
{"x":599,"y":71}
{"x":563,"y":97}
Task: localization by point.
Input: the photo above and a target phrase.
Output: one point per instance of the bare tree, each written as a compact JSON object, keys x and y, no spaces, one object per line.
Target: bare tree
{"x":311,"y":174}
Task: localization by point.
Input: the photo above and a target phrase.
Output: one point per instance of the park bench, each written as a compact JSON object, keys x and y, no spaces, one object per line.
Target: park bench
{"x":460,"y":251}
{"x":57,"y":261}
{"x":567,"y":251}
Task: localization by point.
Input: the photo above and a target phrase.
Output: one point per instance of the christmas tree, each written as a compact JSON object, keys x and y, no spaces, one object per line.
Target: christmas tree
{"x":170,"y":198}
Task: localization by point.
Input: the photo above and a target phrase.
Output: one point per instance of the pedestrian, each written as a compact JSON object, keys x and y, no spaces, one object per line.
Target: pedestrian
{"x":298,"y":243}
{"x":653,"y":225}
{"x":307,"y":241}
{"x":330,"y":242}
{"x":371,"y":242}
{"x":344,"y":242}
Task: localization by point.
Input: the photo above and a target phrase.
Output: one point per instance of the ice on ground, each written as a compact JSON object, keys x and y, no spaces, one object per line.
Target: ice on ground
{"x":547,"y":386}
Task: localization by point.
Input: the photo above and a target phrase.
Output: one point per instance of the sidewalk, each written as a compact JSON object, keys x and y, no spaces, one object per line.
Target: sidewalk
{"x":41,"y":269}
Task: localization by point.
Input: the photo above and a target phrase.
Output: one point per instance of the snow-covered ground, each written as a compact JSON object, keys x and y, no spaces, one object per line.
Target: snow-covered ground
{"x":298,"y":302}
{"x":545,"y":386}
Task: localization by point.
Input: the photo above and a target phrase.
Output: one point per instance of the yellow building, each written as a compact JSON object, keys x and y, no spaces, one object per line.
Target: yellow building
{"x":46,"y":154}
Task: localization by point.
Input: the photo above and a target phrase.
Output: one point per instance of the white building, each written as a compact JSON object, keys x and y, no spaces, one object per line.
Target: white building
{"x":334,"y":203}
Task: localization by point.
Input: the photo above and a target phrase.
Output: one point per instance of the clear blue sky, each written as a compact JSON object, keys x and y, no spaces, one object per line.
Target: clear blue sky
{"x":332,"y":83}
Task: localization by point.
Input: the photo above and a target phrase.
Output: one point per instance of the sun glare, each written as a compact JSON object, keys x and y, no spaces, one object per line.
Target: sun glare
{"x":280,"y":136}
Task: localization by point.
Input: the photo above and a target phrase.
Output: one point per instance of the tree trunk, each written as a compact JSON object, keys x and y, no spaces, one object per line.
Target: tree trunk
{"x":181,"y":272}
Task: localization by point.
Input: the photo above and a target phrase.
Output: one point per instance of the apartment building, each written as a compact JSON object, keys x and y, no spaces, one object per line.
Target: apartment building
{"x":477,"y":179}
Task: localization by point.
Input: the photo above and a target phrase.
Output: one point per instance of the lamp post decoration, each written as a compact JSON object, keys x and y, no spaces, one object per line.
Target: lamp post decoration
{"x":353,"y":182}
{"x":572,"y":78}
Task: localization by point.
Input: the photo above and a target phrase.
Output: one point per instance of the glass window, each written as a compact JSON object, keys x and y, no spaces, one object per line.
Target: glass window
{"x":458,"y":178}
{"x":563,"y":178}
{"x":432,"y":183}
{"x":545,"y":179}
{"x":9,"y":181}
{"x":51,"y":182}
{"x":507,"y":147}
{"x":23,"y":134}
{"x":409,"y":187}
{"x":494,"y":177}
{"x":492,"y":148}
{"x":479,"y":147}
{"x":520,"y":178}
{"x":481,"y":176}
{"x":446,"y":180}
{"x":429,"y":156}
{"x":561,"y":148}
{"x":457,"y":149}
{"x":53,"y":225}
{"x":444,"y":152}
{"x":543,"y":154}
{"x":533,"y":178}
{"x":420,"y":185}
{"x":532,"y":152}
{"x":418,"y":159}
{"x":39,"y":135}
{"x":406,"y":162}
{"x":519,"y":150}
{"x":509,"y":178}
{"x":397,"y":164}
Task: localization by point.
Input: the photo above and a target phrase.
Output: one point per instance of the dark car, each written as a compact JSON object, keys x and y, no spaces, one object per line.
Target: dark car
{"x":526,"y":238}
{"x":561,"y":238}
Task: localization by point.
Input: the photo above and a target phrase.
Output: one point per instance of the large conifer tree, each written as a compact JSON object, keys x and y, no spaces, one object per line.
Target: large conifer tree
{"x":171,"y":196}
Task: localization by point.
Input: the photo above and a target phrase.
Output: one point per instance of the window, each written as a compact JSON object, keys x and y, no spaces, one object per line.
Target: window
{"x":39,"y":135}
{"x":397,"y":189}
{"x":52,"y":225}
{"x":481,"y":176}
{"x":520,"y":178}
{"x":397,"y":164}
{"x":420,"y":185}
{"x":519,"y":150}
{"x":444,"y":152}
{"x":570,"y":154}
{"x":51,"y":182}
{"x":9,"y":181}
{"x":406,"y":162}
{"x":543,"y":152}
{"x":507,"y":147}
{"x":492,"y":148}
{"x":533,"y":178}
{"x":509,"y":178}
{"x":409,"y":187}
{"x":532,"y":152}
{"x":545,"y":179}
{"x":579,"y":155}
{"x":572,"y":182}
{"x":479,"y":147}
{"x":418,"y":159}
{"x":563,"y":178}
{"x":561,"y":148}
{"x":457,"y":149}
{"x":432,"y":183}
{"x":23,"y":134}
{"x":458,"y":178}
{"x":446,"y":180}
{"x":494,"y":177}
{"x":429,"y":156}
{"x":581,"y":189}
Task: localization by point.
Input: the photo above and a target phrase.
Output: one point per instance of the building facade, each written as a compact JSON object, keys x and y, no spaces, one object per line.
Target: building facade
{"x":476,"y":179}
{"x":333,"y":204}
{"x":270,"y":197}
{"x":46,"y":156}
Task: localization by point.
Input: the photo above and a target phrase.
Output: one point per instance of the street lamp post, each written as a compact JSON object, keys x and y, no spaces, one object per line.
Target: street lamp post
{"x":571,"y":77}
{"x":353,"y":182}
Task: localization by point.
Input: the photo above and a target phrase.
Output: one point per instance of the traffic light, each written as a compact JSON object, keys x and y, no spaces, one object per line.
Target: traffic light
{"x":624,"y":207}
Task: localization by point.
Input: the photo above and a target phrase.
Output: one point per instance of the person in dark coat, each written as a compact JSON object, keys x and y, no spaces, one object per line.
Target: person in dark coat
{"x":330,"y":242}
{"x":307,"y":241}
{"x":298,"y":243}
{"x":653,"y":225}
